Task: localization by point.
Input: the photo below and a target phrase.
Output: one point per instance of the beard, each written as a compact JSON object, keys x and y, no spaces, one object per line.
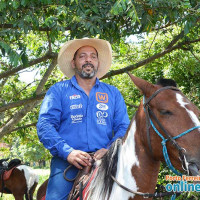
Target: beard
{"x":84,"y":74}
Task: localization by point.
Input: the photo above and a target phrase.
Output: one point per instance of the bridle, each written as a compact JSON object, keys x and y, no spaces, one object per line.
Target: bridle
{"x":149,"y":113}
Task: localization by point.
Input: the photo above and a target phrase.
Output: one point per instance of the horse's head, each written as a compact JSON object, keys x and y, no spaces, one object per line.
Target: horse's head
{"x":169,"y":113}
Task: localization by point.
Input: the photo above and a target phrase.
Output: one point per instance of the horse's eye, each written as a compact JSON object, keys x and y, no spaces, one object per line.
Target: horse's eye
{"x":165,"y":112}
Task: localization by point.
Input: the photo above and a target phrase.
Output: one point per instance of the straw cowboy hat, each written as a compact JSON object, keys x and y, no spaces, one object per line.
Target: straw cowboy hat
{"x":67,"y":51}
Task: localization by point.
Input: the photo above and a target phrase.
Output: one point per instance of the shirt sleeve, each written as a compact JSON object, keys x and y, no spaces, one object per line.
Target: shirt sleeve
{"x":49,"y":123}
{"x":121,"y":120}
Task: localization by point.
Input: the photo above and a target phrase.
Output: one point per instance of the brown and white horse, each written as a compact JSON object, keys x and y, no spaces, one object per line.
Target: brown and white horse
{"x":21,"y":181}
{"x":134,"y":161}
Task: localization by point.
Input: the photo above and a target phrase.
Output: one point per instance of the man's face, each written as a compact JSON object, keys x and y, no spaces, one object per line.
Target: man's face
{"x":86,"y":62}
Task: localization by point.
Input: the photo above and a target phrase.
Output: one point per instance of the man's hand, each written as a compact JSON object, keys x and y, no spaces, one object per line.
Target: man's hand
{"x":78,"y":158}
{"x":100,"y":153}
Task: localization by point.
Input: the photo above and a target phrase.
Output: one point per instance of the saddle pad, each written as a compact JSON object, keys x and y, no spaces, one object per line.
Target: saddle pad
{"x":84,"y":194}
{"x":6,"y":174}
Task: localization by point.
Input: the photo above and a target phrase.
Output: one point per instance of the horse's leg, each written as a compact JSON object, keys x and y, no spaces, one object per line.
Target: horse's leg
{"x":27,"y":195}
{"x":18,"y":196}
{"x":32,"y":190}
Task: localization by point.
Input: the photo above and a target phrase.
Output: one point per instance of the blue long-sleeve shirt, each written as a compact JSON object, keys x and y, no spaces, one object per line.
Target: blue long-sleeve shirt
{"x":69,"y":119}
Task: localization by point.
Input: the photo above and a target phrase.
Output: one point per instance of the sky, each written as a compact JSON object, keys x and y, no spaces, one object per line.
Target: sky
{"x":28,"y":76}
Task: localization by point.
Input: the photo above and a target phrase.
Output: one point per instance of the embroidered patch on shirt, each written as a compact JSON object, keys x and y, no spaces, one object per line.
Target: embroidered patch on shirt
{"x":101,"y":117}
{"x":102,"y":97}
{"x":75,"y":96}
{"x":77,"y":118}
{"x":102,"y":106}
{"x":76,"y":106}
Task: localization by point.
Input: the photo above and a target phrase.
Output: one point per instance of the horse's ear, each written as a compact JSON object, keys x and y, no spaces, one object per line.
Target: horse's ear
{"x":145,"y":87}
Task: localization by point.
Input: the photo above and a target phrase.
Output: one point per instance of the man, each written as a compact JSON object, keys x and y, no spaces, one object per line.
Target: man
{"x":80,"y":115}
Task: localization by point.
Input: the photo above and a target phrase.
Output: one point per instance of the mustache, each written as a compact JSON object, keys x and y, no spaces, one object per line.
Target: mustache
{"x":88,"y":64}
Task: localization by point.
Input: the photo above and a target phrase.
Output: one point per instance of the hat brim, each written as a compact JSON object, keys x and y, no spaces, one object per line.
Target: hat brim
{"x":67,"y":51}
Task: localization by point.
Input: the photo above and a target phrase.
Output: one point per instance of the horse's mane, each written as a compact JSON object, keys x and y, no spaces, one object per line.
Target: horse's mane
{"x":166,"y":82}
{"x":108,"y":167}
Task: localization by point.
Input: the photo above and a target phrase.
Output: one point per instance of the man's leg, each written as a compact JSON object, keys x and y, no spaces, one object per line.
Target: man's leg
{"x":58,"y":188}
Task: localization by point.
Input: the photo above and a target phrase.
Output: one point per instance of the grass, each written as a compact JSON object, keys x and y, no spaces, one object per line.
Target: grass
{"x":43,"y":175}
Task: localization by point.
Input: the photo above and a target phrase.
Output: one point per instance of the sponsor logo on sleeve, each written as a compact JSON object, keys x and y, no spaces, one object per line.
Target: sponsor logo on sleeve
{"x":101,"y":117}
{"x":102,"y":106}
{"x":75,"y":96}
{"x":102,"y":97}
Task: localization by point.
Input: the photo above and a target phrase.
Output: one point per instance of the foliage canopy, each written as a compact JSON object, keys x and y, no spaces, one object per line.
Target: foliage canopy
{"x":32,"y":32}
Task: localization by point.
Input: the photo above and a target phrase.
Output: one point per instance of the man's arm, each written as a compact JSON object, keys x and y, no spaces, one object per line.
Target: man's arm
{"x":49,"y":123}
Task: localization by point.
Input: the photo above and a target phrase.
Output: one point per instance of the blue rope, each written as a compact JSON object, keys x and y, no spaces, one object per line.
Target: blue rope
{"x":173,"y":197}
{"x":165,"y":153}
{"x":166,"y":156}
{"x":189,"y":130}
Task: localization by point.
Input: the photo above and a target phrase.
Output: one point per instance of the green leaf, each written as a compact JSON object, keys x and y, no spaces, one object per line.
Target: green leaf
{"x":5,"y":46}
{"x":16,"y":60}
{"x":2,"y":5}
{"x":15,"y":4}
{"x":187,"y":28}
{"x":24,"y":2}
{"x":24,"y":59}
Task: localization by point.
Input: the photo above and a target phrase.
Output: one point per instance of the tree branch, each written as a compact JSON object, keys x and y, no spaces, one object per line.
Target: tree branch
{"x":49,"y":41}
{"x":47,"y":56}
{"x":10,"y":26}
{"x":153,"y":41}
{"x":22,"y":102}
{"x":148,"y":60}
{"x":25,"y":126}
{"x":175,"y":40}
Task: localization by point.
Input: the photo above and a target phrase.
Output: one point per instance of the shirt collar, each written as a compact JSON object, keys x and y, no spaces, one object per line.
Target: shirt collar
{"x":75,"y":83}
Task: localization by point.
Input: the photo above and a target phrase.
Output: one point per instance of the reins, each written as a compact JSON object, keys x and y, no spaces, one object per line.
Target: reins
{"x":65,"y":174}
{"x":145,"y":195}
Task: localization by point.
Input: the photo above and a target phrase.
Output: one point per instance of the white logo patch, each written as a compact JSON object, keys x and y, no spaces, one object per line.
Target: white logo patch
{"x":101,"y":117}
{"x":76,"y":106}
{"x":75,"y":96}
{"x":76,"y":118}
{"x":102,"y":106}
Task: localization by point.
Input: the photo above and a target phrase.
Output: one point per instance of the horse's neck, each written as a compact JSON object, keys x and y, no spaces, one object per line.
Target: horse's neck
{"x":136,"y":169}
{"x":146,"y":173}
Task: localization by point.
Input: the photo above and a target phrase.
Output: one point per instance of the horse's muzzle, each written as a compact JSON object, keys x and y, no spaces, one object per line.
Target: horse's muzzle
{"x":193,"y":169}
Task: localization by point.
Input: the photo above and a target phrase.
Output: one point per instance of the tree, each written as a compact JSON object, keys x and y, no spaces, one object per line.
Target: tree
{"x":33,"y":31}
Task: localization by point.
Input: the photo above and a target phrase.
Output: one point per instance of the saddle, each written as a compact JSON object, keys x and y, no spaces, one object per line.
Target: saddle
{"x":7,"y":167}
{"x":82,"y":181}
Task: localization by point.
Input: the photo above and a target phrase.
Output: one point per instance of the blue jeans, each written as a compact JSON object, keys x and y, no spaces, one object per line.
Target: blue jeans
{"x":58,"y":188}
